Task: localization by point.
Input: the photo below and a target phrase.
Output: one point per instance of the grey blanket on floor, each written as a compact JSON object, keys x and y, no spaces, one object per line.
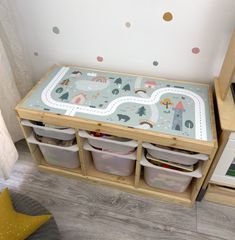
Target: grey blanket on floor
{"x":27,"y":205}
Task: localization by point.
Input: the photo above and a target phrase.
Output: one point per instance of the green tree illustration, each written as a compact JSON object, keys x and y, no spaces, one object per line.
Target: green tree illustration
{"x":118,"y":81}
{"x":141,"y":111}
{"x":64,"y":96}
{"x":188,"y":124}
{"x":126,"y":87}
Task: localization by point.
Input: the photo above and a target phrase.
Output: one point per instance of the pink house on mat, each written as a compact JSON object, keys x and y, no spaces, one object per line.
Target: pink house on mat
{"x":150,"y":84}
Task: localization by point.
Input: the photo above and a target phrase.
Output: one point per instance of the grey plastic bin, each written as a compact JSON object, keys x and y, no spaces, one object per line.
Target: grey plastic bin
{"x":51,"y":132}
{"x":168,"y":179}
{"x":174,"y":156}
{"x":113,"y":144}
{"x":117,"y":164}
{"x":56,"y":155}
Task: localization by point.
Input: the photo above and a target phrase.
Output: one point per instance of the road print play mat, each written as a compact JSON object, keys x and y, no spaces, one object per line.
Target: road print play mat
{"x":169,"y":107}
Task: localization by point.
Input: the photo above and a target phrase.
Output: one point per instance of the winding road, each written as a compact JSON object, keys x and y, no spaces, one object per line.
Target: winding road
{"x":71,"y":109}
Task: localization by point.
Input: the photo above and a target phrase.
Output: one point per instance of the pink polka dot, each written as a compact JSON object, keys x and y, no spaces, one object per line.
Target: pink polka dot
{"x":100,"y":59}
{"x":195,"y":50}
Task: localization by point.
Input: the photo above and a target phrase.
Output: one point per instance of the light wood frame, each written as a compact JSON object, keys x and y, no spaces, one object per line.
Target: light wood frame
{"x":220,"y":194}
{"x":226,"y":111}
{"x":228,"y":69}
{"x":134,"y":183}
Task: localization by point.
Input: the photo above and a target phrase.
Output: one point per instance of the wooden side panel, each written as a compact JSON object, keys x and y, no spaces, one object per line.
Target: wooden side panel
{"x":198,"y":182}
{"x":80,"y":142}
{"x":228,"y":68}
{"x":34,"y":149}
{"x":226,"y":109}
{"x":222,"y":143}
{"x":202,"y":182}
{"x":138,"y":166}
{"x":222,"y":195}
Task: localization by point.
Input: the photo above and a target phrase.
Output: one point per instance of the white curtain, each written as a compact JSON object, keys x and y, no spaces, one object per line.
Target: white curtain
{"x":15,"y":81}
{"x":8,"y":153}
{"x":9,"y":96}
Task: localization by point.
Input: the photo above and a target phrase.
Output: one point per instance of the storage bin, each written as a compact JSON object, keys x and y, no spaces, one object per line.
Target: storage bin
{"x":110,"y":144}
{"x":51,"y":132}
{"x":168,"y":164}
{"x":168,"y":179}
{"x":174,"y":156}
{"x":56,"y":155}
{"x":117,"y":164}
{"x":54,"y":141}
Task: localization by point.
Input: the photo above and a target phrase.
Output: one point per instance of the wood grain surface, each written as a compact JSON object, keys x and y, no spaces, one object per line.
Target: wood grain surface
{"x":86,"y":210}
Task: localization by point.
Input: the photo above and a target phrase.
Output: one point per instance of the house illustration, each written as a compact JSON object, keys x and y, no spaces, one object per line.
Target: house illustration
{"x":150,"y":84}
{"x":79,"y":99}
{"x":177,"y":119}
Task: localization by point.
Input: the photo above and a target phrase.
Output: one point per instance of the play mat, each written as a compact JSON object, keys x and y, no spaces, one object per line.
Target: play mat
{"x":169,"y":107}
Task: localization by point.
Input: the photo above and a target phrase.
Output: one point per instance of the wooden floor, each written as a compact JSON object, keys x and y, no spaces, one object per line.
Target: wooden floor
{"x":85,"y":210}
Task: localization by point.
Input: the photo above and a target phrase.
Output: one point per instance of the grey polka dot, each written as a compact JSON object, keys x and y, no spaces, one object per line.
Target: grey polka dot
{"x":155,"y":63}
{"x":35,"y":54}
{"x":56,"y":30}
{"x":128,"y":24}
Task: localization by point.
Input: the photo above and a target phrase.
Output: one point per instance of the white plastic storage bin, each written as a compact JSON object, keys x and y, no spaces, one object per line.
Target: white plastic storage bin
{"x":121,"y":165}
{"x":110,"y":144}
{"x":56,"y":155}
{"x":168,"y":179}
{"x":174,"y":156}
{"x":51,"y":132}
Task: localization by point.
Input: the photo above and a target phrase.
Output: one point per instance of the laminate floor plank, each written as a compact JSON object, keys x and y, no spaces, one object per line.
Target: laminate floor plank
{"x":108,"y":198}
{"x":86,"y":210}
{"x":90,"y":222}
{"x":216,"y":220}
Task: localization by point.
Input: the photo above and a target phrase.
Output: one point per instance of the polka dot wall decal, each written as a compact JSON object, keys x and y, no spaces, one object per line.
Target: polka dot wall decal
{"x":195,"y":50}
{"x":55,"y":30}
{"x":155,"y":63}
{"x":128,"y":24}
{"x":35,"y":54}
{"x":167,"y":16}
{"x":100,"y":59}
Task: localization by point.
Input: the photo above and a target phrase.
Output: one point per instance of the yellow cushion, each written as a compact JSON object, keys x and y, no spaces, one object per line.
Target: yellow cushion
{"x":14,"y":225}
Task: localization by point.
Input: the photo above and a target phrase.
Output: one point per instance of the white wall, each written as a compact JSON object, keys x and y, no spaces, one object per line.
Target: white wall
{"x":90,"y":28}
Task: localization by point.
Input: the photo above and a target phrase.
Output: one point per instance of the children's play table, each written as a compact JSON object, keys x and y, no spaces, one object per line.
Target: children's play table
{"x":146,"y":109}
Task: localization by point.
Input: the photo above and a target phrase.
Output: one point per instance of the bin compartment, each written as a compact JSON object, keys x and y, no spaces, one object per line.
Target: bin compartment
{"x":51,"y":132}
{"x":168,"y":164}
{"x":117,"y":164}
{"x":110,"y":143}
{"x":182,"y":157}
{"x":168,"y":179}
{"x":57,"y":155}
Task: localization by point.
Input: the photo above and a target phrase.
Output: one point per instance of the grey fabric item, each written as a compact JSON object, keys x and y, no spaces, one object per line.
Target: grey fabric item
{"x":27,"y":205}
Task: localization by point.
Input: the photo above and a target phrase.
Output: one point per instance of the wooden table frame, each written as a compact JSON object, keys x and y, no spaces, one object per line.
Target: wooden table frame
{"x":134,"y":183}
{"x":226,"y":113}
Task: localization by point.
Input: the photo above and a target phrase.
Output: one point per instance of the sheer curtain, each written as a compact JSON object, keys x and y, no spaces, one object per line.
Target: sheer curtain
{"x":8,"y":153}
{"x":9,"y":96}
{"x":15,"y":81}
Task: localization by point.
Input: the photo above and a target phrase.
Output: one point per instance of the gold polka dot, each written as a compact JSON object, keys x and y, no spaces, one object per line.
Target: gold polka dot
{"x":167,"y":16}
